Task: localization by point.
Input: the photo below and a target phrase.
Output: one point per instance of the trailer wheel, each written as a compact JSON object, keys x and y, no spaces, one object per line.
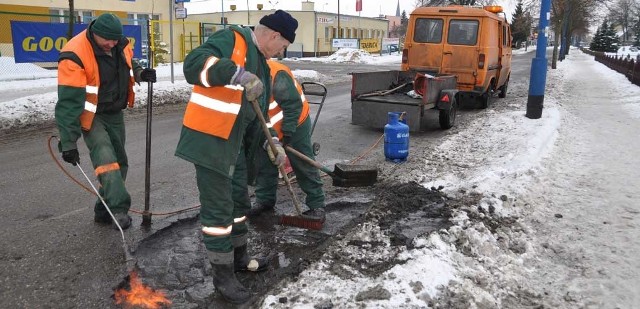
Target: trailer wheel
{"x":447,"y":117}
{"x":503,"y":89}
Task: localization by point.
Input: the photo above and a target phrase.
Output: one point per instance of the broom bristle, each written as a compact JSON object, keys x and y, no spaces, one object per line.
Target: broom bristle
{"x":301,"y":222}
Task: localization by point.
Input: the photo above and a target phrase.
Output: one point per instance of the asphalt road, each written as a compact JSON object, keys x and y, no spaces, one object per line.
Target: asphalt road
{"x":52,"y":253}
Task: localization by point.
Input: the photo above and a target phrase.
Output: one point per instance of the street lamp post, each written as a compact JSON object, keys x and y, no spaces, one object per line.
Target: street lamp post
{"x":538,"y":75}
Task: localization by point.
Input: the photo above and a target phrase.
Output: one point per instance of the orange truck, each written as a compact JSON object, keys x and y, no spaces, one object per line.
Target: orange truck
{"x":470,"y":44}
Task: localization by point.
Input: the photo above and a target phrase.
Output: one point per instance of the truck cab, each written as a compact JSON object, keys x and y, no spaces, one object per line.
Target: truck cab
{"x":472,"y":43}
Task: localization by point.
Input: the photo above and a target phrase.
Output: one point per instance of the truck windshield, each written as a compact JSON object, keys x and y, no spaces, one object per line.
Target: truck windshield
{"x":462,"y":32}
{"x":428,"y":30}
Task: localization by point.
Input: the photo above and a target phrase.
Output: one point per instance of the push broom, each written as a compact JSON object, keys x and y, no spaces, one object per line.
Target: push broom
{"x":300,"y":220}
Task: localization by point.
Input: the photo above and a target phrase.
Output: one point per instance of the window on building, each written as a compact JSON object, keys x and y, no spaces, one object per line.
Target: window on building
{"x":62,"y":16}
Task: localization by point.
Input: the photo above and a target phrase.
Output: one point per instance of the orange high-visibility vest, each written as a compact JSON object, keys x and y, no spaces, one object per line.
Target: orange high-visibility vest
{"x":213,"y":109}
{"x":89,"y":79}
{"x":275,"y":112}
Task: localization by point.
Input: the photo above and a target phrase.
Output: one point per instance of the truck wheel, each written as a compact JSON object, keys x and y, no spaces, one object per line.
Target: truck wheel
{"x":484,"y":100}
{"x":448,"y":117}
{"x":503,"y":89}
{"x":485,"y":97}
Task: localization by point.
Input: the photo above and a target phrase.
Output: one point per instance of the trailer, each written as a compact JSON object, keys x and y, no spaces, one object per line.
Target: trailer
{"x":375,"y":94}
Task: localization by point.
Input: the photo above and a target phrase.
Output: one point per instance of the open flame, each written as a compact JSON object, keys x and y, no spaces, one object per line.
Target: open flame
{"x":140,"y":295}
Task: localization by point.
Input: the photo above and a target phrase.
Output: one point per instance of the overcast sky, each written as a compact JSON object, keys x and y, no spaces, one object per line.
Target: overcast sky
{"x":370,"y":8}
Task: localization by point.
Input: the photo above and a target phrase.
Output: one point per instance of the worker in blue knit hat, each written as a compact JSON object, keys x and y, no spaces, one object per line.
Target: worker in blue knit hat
{"x":221,"y":133}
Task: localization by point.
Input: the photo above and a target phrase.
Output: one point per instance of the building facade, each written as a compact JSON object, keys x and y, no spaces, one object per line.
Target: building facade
{"x":57,"y":11}
{"x":315,"y":29}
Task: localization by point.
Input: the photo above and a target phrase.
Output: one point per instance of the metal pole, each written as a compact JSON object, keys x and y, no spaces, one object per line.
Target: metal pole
{"x":248,"y":17}
{"x":538,"y":75}
{"x":146,"y":215}
{"x":224,"y":25}
{"x":339,"y":30}
{"x":171,"y":9}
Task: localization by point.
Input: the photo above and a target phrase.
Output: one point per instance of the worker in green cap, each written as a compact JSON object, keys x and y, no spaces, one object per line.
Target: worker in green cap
{"x":96,"y":74}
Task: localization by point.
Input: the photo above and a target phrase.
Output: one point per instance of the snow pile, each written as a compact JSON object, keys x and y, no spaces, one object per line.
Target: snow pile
{"x":21,"y":71}
{"x":328,"y":284}
{"x":515,"y":146}
{"x":350,"y":55}
{"x":309,"y":76}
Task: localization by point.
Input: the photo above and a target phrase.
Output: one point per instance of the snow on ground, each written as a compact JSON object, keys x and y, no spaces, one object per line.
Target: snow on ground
{"x":467,"y":262}
{"x":350,"y":55}
{"x":626,"y":51}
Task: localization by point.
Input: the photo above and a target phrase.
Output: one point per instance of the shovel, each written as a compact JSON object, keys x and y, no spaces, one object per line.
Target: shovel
{"x":343,"y":175}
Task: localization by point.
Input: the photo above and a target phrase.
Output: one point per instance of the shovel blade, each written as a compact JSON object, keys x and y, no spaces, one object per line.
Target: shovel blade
{"x":354,"y":175}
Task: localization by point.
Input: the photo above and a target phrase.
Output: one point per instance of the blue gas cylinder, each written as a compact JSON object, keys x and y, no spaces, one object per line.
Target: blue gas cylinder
{"x":396,"y":139}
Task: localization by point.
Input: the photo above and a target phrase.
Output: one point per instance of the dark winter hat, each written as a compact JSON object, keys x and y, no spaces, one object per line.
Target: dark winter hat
{"x":107,"y":26}
{"x":283,"y":23}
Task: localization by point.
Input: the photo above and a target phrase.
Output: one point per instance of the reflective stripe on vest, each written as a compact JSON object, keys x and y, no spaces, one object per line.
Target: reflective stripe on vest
{"x":275,"y":112}
{"x":213,"y":110}
{"x":216,"y":230}
{"x":105,"y":168}
{"x":90,"y":80}
{"x":239,"y":220}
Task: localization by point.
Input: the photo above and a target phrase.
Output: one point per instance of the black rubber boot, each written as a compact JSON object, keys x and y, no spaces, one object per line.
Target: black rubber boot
{"x":123,"y":219}
{"x":242,"y":261}
{"x":102,"y":219}
{"x":224,"y":278}
{"x":259,"y":208}
{"x":317,"y":214}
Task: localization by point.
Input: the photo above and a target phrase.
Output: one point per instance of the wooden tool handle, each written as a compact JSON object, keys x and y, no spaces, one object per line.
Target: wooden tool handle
{"x":274,"y":150}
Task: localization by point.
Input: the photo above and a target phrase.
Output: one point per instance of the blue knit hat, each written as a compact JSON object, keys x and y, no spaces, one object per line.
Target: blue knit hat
{"x":283,"y":23}
{"x":107,"y":26}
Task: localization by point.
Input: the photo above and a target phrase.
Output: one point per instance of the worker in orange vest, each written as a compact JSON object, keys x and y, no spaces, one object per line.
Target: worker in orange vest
{"x":289,"y":116}
{"x":220,"y":133}
{"x":96,"y":74}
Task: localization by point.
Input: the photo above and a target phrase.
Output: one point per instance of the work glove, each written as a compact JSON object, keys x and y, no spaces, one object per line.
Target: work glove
{"x":148,"y":75}
{"x":280,"y":157}
{"x":252,"y":85}
{"x":71,"y":156}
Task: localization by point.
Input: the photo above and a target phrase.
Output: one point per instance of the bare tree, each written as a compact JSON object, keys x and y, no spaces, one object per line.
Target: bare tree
{"x":621,"y":13}
{"x":567,"y":17}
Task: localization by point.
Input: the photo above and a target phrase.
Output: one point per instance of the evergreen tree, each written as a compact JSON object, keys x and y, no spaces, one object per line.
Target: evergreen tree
{"x":596,"y":42}
{"x":611,"y":40}
{"x":401,"y":29}
{"x":521,"y":25}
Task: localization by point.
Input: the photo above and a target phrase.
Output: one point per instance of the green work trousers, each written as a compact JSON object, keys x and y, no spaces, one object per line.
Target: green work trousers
{"x":222,"y":200}
{"x":106,"y":141}
{"x":307,"y":176}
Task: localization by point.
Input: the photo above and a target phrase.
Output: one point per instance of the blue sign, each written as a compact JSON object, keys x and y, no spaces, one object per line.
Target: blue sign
{"x":42,"y":42}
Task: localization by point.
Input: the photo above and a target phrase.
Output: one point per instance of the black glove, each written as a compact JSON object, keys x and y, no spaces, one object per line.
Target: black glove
{"x":148,"y":75}
{"x":286,"y":140}
{"x":71,"y":156}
